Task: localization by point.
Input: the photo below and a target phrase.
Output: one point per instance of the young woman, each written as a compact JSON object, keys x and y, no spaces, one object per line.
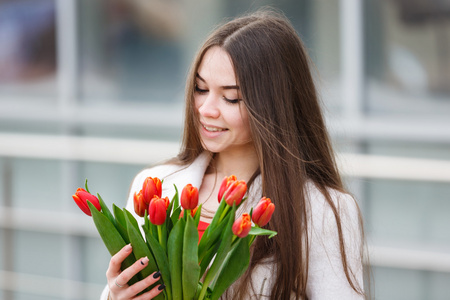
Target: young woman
{"x":252,"y":111}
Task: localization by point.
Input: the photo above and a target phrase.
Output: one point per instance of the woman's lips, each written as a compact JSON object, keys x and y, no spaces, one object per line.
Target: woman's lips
{"x":212,"y":128}
{"x":212,"y":131}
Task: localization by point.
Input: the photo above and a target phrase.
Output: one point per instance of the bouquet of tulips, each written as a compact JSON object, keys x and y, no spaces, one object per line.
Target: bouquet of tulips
{"x":191,"y":267}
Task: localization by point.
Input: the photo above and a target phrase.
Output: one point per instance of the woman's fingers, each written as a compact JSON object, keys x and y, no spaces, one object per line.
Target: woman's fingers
{"x":116,"y":261}
{"x":118,"y":279}
{"x":145,"y":283}
{"x":128,"y":273}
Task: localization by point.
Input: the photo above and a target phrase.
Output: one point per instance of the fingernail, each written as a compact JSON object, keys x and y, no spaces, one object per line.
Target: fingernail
{"x":144,"y":261}
{"x":161,"y":287}
{"x":128,"y":247}
{"x":156,"y":275}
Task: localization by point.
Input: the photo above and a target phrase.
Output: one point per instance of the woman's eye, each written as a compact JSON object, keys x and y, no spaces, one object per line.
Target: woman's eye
{"x":199,"y":90}
{"x":231,"y":101}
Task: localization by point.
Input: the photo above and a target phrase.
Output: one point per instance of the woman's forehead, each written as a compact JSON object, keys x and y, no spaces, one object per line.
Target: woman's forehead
{"x":216,"y":68}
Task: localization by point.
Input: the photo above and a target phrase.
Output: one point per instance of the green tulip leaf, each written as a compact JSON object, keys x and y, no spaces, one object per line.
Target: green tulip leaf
{"x":175,"y":199}
{"x":262,"y":231}
{"x":222,"y":253}
{"x":215,"y":220}
{"x":120,"y":217}
{"x":120,"y":223}
{"x":175,"y":215}
{"x":233,"y":268}
{"x":207,"y":257}
{"x":140,"y":248}
{"x":86,"y":186}
{"x":146,"y":222}
{"x":154,"y":230}
{"x":206,"y":243}
{"x":190,"y":268}
{"x":197,"y":215}
{"x":174,"y":253}
{"x":161,"y":261}
{"x":131,"y":219}
{"x":105,"y":209}
{"x":111,"y":238}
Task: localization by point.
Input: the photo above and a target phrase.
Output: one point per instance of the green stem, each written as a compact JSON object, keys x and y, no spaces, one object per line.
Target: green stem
{"x":252,"y":238}
{"x":224,"y":213}
{"x":233,"y":241}
{"x":204,"y":289}
{"x":160,"y":238}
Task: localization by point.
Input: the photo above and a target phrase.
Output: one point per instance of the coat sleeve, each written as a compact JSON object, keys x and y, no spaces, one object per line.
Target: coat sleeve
{"x":326,"y":276}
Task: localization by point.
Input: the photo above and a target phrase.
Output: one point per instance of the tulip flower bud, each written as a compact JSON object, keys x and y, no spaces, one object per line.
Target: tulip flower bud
{"x":226,"y":182}
{"x":150,"y":188}
{"x":166,"y":202}
{"x":241,"y":227}
{"x":235,"y":192}
{"x":189,"y":197}
{"x":139,"y":204}
{"x":81,"y":197}
{"x":263,"y":212}
{"x":157,"y":210}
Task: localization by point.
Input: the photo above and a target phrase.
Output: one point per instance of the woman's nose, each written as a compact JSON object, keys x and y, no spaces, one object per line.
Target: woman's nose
{"x":209,"y":108}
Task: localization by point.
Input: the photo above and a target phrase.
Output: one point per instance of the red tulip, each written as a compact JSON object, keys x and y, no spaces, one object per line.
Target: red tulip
{"x":157,"y":210}
{"x":81,"y":197}
{"x":235,"y":192}
{"x":166,"y":202}
{"x":189,"y":197}
{"x":226,"y":182}
{"x":140,"y":206}
{"x":263,"y":212}
{"x":151,"y":188}
{"x":241,"y":227}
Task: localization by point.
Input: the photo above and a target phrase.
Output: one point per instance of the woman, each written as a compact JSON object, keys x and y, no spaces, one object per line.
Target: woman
{"x":252,"y":111}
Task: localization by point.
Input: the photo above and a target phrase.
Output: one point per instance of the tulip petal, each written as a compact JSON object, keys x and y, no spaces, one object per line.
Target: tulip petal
{"x":82,"y":205}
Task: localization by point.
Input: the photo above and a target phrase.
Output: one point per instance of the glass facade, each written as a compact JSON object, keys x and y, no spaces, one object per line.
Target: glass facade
{"x":94,"y":89}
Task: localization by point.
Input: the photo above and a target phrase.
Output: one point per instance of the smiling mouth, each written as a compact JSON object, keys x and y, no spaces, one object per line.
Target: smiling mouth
{"x":213,"y":129}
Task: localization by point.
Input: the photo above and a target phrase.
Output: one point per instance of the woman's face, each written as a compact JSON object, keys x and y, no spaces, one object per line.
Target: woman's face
{"x":223,"y":118}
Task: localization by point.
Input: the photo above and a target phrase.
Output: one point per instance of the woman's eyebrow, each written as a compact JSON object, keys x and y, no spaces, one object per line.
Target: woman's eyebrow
{"x":225,"y":87}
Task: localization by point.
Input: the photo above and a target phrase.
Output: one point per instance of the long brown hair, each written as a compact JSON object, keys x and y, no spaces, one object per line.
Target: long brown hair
{"x":272,"y":69}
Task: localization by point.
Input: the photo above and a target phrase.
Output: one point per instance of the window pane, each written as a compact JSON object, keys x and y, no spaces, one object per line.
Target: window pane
{"x":28,"y":51}
{"x":131,"y":50}
{"x":403,"y":213}
{"x":95,"y":258}
{"x":407,"y":57}
{"x":399,"y":284}
{"x":111,"y":181}
{"x":38,"y":253}
{"x":37,"y":184}
{"x":136,"y":51}
{"x":409,"y":149}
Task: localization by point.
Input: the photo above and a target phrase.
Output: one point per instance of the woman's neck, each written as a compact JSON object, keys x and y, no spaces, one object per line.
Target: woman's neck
{"x":243,"y":164}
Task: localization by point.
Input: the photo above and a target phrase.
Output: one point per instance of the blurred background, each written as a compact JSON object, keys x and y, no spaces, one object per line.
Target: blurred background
{"x":94,"y":89}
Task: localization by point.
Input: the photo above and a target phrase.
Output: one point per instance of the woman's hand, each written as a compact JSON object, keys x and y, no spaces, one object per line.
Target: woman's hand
{"x":117,"y":279}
